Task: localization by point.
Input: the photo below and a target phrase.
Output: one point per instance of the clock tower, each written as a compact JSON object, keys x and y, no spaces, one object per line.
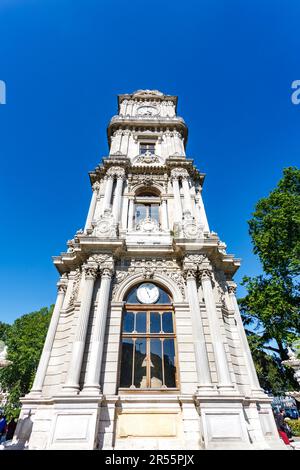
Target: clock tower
{"x":146,"y":348}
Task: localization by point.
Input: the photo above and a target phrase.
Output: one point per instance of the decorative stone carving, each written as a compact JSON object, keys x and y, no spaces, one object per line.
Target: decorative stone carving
{"x":90,"y":270}
{"x":105,"y":226}
{"x":148,"y":225}
{"x":116,"y":171}
{"x":205,"y":274}
{"x":232,"y":289}
{"x":104,"y":262}
{"x":179,"y":173}
{"x":61,"y":287}
{"x":147,"y":92}
{"x":190,"y":229}
{"x":190,"y":274}
{"x":75,"y":289}
{"x":148,"y":273}
{"x":101,"y":259}
{"x":107,"y":273}
{"x":147,"y":158}
{"x":222,"y":247}
{"x":119,"y":277}
{"x":148,"y":268}
{"x":146,"y":110}
{"x":96,"y":186}
{"x":147,"y":180}
{"x":193,"y":261}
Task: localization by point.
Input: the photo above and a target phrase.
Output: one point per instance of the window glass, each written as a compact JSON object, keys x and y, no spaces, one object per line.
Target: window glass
{"x":128,"y":322}
{"x":145,"y":147}
{"x":167,"y":322}
{"x":126,"y":363}
{"x":169,"y":363}
{"x":154,"y":212}
{"x":140,"y":213}
{"x":156,"y":363}
{"x":141,"y":322}
{"x":155,"y":322}
{"x":140,"y":363}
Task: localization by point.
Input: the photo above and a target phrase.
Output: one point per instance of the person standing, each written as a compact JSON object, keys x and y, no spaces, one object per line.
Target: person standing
{"x":281,"y":426}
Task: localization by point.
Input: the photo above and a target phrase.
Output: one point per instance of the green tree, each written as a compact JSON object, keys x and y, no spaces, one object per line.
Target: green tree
{"x":270,"y":309}
{"x":4,"y":327}
{"x":24,"y":339}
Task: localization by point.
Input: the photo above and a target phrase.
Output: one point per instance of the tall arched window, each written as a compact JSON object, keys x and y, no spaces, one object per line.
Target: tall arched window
{"x":147,"y":205}
{"x":148,"y":353}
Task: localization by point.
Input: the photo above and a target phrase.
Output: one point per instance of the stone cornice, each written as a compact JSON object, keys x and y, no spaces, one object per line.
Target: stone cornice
{"x":134,"y":123}
{"x":87,"y":246}
{"x":145,"y":95}
{"x":210,"y":247}
{"x":170,"y":163}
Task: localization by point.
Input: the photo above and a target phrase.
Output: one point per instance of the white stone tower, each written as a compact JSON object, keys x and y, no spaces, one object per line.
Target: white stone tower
{"x":146,"y":347}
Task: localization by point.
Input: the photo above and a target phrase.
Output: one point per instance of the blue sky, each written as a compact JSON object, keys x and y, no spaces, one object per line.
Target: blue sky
{"x":230,"y":62}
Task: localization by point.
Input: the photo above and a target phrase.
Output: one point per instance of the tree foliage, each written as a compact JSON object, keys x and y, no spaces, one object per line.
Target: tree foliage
{"x":24,"y":339}
{"x":275,"y":227}
{"x":270,"y":309}
{"x":4,"y":327}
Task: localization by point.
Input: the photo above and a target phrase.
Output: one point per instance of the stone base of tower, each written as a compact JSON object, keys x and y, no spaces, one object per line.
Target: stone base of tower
{"x":150,"y":422}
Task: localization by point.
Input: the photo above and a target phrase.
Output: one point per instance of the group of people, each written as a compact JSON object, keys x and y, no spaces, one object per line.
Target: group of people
{"x":6,"y":429}
{"x":284,"y":429}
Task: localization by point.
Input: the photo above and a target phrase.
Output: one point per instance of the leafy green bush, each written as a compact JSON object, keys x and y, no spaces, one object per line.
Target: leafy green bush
{"x":294,"y":424}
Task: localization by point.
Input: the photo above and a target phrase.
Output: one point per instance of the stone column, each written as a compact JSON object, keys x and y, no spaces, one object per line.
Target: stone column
{"x":108,"y":192}
{"x":91,"y":212}
{"x":92,"y":383}
{"x":130,"y":214}
{"x":116,"y":209}
{"x":124,"y":212}
{"x":202,"y":364}
{"x":187,"y":195}
{"x":203,"y":220}
{"x":254,"y":383}
{"x":224,"y":379}
{"x":73,"y":376}
{"x":114,"y":144}
{"x":177,"y":200}
{"x":44,"y":360}
{"x":164,"y":215}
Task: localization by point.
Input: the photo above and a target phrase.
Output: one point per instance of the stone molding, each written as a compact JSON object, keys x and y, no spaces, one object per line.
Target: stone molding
{"x":148,"y":268}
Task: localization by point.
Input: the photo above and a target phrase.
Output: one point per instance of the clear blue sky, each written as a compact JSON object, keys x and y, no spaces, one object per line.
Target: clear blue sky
{"x":230,"y":62}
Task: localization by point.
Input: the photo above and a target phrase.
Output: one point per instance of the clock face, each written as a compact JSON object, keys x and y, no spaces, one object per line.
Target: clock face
{"x":147,"y":110}
{"x":147,"y":293}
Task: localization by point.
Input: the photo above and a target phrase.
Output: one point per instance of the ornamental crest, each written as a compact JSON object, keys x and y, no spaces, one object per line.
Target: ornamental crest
{"x":105,"y":226}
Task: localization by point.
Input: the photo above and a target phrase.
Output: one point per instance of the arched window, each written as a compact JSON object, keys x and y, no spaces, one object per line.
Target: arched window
{"x":147,"y":205}
{"x":148,"y":353}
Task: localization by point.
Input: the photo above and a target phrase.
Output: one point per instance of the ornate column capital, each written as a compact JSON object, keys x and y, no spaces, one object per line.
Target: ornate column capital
{"x":116,"y":171}
{"x":90,"y":270}
{"x":107,"y":273}
{"x":96,"y":186}
{"x":231,"y":288}
{"x":205,"y":274}
{"x":190,"y":274}
{"x":61,"y":287}
{"x":178,"y":172}
{"x":194,"y":262}
{"x":108,"y":177}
